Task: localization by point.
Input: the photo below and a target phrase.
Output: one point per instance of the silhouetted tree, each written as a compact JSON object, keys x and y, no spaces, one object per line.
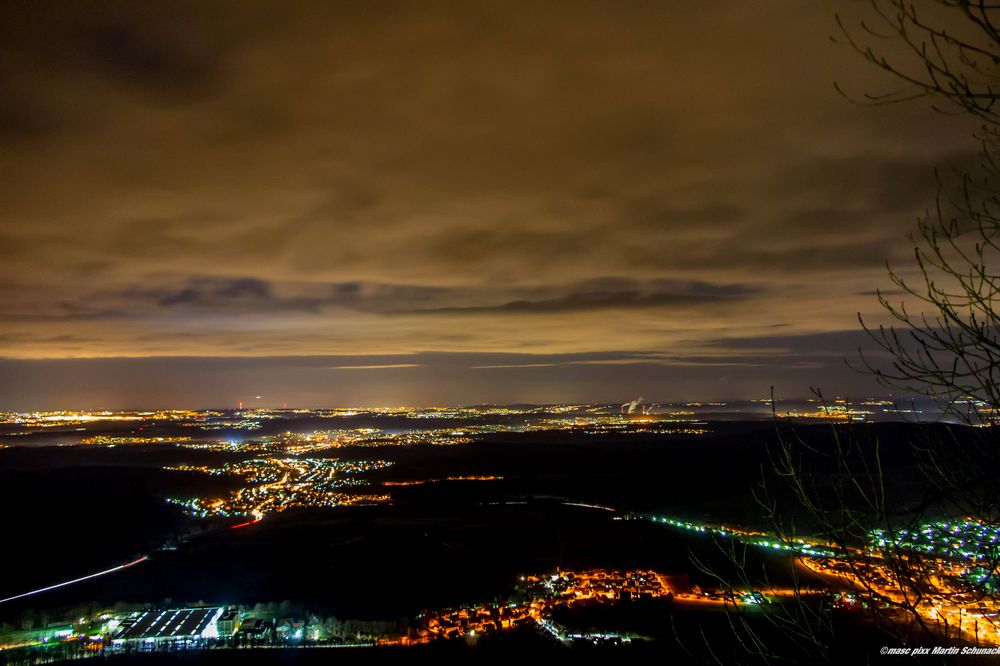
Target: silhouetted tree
{"x":943,"y":50}
{"x":941,"y":341}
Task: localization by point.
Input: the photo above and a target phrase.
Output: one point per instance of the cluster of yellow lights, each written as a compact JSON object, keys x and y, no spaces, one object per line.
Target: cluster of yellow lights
{"x":121,"y":440}
{"x":278,"y":484}
{"x":547,"y":593}
{"x":64,"y":418}
{"x":835,"y":413}
{"x":943,"y":602}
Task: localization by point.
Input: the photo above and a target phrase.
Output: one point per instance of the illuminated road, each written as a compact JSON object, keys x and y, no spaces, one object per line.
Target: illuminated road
{"x":590,"y":506}
{"x":76,"y":580}
{"x":257,"y":517}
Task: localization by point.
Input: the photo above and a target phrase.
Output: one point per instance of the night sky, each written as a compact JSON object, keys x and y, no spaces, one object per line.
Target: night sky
{"x":411,"y":203}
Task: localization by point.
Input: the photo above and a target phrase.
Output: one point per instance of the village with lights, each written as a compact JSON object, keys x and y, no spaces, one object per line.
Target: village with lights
{"x":957,"y":550}
{"x":255,"y":466}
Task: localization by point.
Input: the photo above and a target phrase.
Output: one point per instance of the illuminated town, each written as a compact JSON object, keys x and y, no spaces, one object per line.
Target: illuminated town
{"x":955,"y":559}
{"x":539,"y":416}
{"x":277,"y":484}
{"x":535,"y":601}
{"x":474,"y":332}
{"x":687,"y":418}
{"x":541,"y":596}
{"x":266,"y":462}
{"x":955,"y":553}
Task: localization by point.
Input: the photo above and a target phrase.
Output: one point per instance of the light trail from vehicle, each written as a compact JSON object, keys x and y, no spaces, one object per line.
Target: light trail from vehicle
{"x":76,"y":580}
{"x":590,"y":506}
{"x":257,"y":517}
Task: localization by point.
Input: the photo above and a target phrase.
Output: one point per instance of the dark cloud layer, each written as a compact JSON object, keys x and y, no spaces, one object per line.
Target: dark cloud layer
{"x":391,"y":179}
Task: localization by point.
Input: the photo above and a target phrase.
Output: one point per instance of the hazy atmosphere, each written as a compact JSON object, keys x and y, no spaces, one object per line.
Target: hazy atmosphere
{"x":470,"y":203}
{"x":559,"y":331}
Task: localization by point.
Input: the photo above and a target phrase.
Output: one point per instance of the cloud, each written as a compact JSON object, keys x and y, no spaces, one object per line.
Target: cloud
{"x":385,"y":366}
{"x":341,"y":179}
{"x":614,"y":294}
{"x":506,"y":366}
{"x":234,"y":296}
